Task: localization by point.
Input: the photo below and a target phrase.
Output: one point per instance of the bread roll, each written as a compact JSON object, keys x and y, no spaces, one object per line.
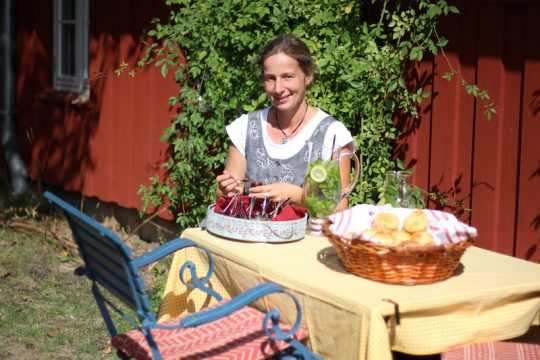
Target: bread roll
{"x":415,"y":222}
{"x":422,"y":238}
{"x":386,"y":238}
{"x":370,"y":233}
{"x":386,"y":221}
{"x":400,"y":235}
{"x":409,"y":243}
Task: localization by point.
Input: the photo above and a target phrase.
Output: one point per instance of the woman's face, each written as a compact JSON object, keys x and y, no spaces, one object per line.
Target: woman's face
{"x":284,"y":82}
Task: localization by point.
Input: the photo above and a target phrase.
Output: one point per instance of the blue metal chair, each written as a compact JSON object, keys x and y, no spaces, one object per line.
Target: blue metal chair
{"x":109,"y":265}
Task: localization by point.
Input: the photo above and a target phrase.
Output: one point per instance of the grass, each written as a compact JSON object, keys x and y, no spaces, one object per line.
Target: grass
{"x":47,"y":312}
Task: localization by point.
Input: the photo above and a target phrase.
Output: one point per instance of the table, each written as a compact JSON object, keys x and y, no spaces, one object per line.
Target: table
{"x":494,"y":297}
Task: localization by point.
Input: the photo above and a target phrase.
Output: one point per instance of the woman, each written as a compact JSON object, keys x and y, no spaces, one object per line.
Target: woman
{"x":270,"y":146}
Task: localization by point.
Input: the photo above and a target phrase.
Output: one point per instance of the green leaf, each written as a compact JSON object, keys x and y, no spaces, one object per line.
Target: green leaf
{"x":359,"y":81}
{"x":442,"y":42}
{"x":448,"y":76}
{"x":433,"y":11}
{"x":201,"y":55}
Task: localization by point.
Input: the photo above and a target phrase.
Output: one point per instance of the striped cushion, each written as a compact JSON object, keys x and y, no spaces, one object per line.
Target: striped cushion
{"x":494,"y":351}
{"x":237,"y":336}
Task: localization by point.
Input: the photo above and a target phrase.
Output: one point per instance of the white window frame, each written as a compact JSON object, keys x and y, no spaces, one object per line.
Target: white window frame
{"x":77,"y":83}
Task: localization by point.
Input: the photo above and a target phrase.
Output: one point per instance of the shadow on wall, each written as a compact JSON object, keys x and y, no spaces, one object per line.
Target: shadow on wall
{"x":62,"y":142}
{"x":417,"y":77}
{"x":451,"y":199}
{"x":42,"y":126}
{"x":535,"y":223}
{"x":535,"y":103}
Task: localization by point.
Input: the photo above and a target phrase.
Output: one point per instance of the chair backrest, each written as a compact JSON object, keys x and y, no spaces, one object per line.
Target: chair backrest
{"x":107,"y":260}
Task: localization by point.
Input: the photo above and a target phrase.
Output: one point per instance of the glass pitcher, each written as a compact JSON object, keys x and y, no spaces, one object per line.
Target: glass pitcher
{"x":322,"y":184}
{"x":397,"y":188}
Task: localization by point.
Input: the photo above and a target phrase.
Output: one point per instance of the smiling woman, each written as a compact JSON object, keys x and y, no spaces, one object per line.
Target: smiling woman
{"x":271,"y":145}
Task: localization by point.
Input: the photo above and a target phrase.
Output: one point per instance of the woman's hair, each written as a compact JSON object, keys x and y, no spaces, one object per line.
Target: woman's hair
{"x":292,"y":46}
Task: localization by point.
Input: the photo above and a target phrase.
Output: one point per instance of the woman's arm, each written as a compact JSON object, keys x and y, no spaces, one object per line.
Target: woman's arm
{"x":230,"y":182}
{"x":278,"y":192}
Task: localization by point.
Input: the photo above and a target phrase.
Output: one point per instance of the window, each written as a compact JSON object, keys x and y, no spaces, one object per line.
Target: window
{"x":71,"y":22}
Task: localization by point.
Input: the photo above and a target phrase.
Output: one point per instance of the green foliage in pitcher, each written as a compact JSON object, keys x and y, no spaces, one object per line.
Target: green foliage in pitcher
{"x":323,"y":191}
{"x":210,"y":48}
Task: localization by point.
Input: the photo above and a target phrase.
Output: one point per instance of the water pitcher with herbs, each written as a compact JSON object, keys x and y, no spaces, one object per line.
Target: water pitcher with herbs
{"x":323,"y":189}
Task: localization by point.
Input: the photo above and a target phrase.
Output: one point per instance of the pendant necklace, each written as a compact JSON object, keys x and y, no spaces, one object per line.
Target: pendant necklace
{"x":285,"y":139}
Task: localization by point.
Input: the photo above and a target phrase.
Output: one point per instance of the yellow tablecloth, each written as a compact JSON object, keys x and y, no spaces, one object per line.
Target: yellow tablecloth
{"x":495,"y":297}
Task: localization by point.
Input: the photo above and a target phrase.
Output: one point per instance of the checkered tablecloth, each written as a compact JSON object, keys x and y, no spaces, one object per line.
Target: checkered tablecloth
{"x":493,"y":297}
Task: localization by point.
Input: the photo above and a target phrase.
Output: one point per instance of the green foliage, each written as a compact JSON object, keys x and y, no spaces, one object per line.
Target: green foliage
{"x":473,"y":90}
{"x":211,"y":46}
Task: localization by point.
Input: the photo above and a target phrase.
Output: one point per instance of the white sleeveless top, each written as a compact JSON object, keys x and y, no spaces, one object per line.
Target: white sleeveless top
{"x":271,"y":162}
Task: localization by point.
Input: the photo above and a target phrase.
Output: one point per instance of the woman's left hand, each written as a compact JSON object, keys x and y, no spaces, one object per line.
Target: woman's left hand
{"x":278,"y":192}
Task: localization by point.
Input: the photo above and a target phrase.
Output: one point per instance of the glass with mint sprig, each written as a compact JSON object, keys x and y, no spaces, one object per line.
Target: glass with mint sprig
{"x":322,"y":184}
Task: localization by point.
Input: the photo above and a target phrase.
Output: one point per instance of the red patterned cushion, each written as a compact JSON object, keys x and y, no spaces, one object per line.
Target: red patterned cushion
{"x":237,"y":336}
{"x":494,"y":351}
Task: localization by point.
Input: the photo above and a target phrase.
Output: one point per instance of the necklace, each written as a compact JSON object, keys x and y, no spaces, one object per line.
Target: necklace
{"x":285,"y":139}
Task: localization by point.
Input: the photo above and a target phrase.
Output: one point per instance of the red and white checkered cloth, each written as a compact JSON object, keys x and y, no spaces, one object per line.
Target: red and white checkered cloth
{"x":499,"y":350}
{"x":239,"y":336}
{"x":444,"y":227}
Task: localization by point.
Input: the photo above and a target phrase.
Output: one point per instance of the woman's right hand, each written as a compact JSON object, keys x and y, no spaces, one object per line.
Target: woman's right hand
{"x":278,"y":192}
{"x":228,"y":184}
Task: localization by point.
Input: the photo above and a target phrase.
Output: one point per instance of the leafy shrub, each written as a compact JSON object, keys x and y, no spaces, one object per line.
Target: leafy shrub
{"x":211,"y":46}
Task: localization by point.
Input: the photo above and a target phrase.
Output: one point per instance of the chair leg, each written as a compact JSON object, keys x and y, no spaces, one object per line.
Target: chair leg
{"x":121,"y":355}
{"x":297,"y":351}
{"x":104,"y":311}
{"x":151,"y":343}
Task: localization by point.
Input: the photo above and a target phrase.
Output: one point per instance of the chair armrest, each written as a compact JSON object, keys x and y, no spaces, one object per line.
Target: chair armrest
{"x":162,"y":251}
{"x":245,"y":299}
{"x":300,"y":351}
{"x":178,"y":244}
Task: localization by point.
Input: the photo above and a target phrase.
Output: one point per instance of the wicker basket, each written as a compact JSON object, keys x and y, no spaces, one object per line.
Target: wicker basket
{"x":397,"y":264}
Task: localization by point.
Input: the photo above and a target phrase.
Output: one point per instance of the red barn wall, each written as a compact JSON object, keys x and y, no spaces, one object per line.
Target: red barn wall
{"x":109,"y":146}
{"x":493,"y":167}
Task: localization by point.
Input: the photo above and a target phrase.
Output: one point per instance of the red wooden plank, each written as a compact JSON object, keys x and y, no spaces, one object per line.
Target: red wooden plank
{"x":528,"y":216}
{"x":452,"y":131}
{"x":495,"y":165}
{"x":124,"y":121}
{"x":464,"y":130}
{"x":35,"y":118}
{"x":412,"y":146}
{"x":485,"y":202}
